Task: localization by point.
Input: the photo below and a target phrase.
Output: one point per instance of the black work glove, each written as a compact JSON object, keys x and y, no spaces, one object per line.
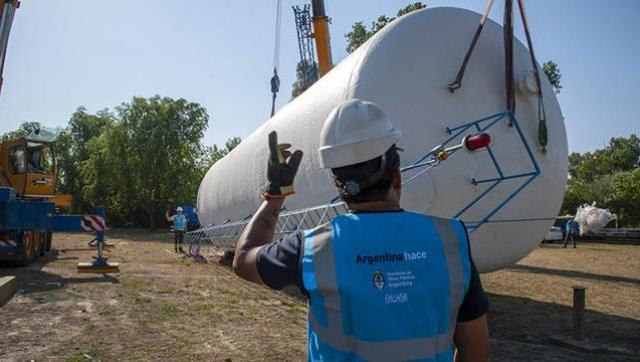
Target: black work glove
{"x":281,"y":169}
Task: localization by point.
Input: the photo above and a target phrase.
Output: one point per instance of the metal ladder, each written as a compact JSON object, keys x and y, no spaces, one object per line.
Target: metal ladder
{"x":225,"y":236}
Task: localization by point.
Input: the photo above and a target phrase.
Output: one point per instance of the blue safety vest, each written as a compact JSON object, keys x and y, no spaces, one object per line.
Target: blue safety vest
{"x":179,"y":222}
{"x":385,"y":286}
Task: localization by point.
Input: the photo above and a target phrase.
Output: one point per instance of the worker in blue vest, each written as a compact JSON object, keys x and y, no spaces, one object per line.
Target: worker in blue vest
{"x":383,"y":283}
{"x":179,"y":227}
{"x":572,"y":231}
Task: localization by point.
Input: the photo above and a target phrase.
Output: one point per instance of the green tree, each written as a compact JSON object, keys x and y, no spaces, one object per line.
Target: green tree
{"x":357,"y":36}
{"x":305,"y":76}
{"x":609,"y":176}
{"x":213,"y":154}
{"x":25,"y":129}
{"x":552,"y":72}
{"x":96,"y":173}
{"x":138,"y":161}
{"x":411,"y":7}
{"x":72,"y":150}
{"x":232,"y":143}
{"x":159,"y":144}
{"x":360,"y":34}
{"x":626,"y":196}
{"x":620,"y":154}
{"x":146,"y":160}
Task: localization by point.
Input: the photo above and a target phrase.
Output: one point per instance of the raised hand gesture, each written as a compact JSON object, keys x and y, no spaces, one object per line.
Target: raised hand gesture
{"x":281,"y":168}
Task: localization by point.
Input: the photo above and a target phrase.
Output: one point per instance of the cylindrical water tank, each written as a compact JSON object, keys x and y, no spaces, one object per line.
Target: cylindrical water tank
{"x":405,"y":69}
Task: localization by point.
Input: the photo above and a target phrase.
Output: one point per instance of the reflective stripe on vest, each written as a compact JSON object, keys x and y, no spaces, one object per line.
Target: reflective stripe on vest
{"x":334,"y":332}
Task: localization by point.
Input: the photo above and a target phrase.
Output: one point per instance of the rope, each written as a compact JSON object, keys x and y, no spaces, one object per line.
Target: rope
{"x":276,"y":47}
{"x":542,"y":116}
{"x":508,"y":55}
{"x":275,"y":80}
{"x":457,"y":83}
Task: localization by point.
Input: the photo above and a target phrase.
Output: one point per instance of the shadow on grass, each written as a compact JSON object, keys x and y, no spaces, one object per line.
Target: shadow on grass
{"x":521,"y":328}
{"x":140,"y":235}
{"x":32,"y":279}
{"x":572,"y":274}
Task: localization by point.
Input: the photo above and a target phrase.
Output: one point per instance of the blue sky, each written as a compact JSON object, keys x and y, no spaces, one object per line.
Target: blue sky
{"x":98,"y":54}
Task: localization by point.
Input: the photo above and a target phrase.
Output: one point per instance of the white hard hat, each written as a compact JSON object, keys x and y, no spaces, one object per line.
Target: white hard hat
{"x":179,"y":209}
{"x":354,"y":132}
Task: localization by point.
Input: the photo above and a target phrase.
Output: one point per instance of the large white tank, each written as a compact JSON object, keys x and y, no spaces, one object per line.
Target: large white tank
{"x":405,"y":69}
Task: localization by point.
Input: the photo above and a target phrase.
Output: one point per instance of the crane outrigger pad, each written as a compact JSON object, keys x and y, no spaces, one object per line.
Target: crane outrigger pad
{"x":98,"y":268}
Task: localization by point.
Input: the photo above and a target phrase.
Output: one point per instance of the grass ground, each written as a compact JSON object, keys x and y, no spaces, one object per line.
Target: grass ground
{"x":532,"y":300}
{"x":161,"y":307}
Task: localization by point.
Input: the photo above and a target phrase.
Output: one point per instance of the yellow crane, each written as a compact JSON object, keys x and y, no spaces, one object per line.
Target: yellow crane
{"x":321,"y":35}
{"x":311,"y":29}
{"x":28,"y":200}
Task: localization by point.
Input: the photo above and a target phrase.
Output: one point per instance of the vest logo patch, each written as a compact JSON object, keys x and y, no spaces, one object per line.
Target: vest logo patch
{"x":378,"y":280}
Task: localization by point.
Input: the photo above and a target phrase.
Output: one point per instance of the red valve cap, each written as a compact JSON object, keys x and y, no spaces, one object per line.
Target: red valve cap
{"x":477,"y":141}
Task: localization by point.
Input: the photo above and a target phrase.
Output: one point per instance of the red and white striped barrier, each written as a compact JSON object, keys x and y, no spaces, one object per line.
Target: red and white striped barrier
{"x":92,"y":223}
{"x":8,"y":243}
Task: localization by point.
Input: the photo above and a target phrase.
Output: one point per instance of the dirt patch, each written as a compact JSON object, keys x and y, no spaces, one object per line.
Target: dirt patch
{"x":163,"y":307}
{"x":160,"y":307}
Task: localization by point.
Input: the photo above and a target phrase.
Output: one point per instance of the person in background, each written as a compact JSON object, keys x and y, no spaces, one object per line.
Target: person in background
{"x":383,"y":283}
{"x":179,"y":227}
{"x":572,"y":230}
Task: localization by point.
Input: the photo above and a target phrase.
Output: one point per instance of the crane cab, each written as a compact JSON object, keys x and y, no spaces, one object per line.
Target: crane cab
{"x":28,"y":166}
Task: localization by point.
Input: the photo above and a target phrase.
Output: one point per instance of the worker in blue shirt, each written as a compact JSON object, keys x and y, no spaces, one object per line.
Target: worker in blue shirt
{"x":572,"y":231}
{"x":383,"y":283}
{"x":179,"y":227}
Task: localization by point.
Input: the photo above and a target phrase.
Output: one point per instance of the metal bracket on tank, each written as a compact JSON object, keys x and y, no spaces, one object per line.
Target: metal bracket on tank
{"x":482,"y":125}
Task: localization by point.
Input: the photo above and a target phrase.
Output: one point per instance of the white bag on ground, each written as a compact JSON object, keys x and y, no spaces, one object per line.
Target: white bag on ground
{"x":591,"y":218}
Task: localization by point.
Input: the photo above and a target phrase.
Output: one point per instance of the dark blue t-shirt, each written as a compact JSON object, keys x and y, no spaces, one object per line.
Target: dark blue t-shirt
{"x":279,"y":265}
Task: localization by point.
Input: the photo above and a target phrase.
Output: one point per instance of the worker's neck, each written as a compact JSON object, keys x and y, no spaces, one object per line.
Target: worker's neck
{"x":382,"y":205}
{"x":391,"y":202}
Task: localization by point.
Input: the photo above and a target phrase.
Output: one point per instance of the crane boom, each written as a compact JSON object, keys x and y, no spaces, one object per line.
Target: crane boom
{"x":7,"y":11}
{"x":321,"y":35}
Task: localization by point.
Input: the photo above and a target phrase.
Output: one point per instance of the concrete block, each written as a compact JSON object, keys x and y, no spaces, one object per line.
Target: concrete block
{"x":7,"y":288}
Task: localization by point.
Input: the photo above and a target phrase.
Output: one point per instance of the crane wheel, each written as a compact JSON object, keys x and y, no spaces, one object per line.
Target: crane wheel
{"x":47,"y":241}
{"x":37,"y":244}
{"x":27,"y":254}
{"x":42,"y":243}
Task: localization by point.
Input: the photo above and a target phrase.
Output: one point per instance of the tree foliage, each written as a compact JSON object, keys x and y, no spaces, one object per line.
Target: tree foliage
{"x":25,"y":129}
{"x":552,"y":72}
{"x":72,"y":150}
{"x":360,"y":33}
{"x":306,"y":75}
{"x":609,"y":176}
{"x":621,"y":154}
{"x":213,"y":154}
{"x":139,"y":160}
{"x":151,"y":152}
